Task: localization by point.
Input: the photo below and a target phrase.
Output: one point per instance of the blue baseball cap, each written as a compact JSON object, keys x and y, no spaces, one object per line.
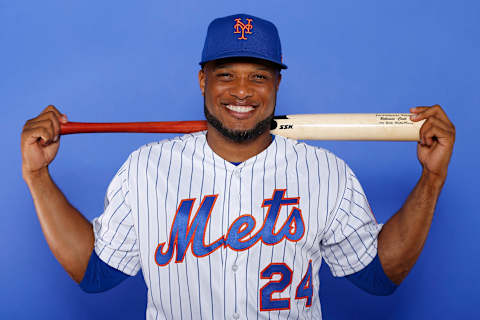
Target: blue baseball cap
{"x":242,"y":35}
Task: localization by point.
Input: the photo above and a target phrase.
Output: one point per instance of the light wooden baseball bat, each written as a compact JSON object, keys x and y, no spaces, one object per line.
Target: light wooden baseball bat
{"x":346,"y":126}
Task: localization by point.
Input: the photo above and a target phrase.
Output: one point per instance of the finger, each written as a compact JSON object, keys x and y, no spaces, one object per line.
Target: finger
{"x":419,"y":109}
{"x":33,"y":134}
{"x":433,"y":134}
{"x":435,"y":122}
{"x":51,"y":116}
{"x":421,"y":113}
{"x":47,"y":112}
{"x":425,"y":111}
{"x":51,"y":108}
{"x":41,"y":117}
{"x":49,"y":125}
{"x":50,"y":122}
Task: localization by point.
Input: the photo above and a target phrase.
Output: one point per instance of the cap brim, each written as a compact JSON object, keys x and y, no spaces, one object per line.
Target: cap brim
{"x":243,"y":55}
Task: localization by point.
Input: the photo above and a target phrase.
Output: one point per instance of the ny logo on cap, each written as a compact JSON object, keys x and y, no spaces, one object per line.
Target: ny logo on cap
{"x":245,"y":28}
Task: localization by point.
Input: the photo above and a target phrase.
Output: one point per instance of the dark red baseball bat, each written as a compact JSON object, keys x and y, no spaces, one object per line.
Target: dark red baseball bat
{"x":143,"y":127}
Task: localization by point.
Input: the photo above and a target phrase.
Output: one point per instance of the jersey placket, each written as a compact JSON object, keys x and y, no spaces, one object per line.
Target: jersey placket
{"x":234,"y":276}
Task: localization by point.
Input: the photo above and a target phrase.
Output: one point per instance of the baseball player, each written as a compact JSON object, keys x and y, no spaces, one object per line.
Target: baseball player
{"x":233,"y":223}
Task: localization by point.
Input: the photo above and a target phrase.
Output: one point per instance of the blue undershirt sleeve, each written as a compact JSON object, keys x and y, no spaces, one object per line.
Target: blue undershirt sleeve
{"x":99,"y":276}
{"x":373,"y":279}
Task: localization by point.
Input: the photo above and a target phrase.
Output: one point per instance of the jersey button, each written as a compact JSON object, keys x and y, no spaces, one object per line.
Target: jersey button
{"x":236,"y":316}
{"x":234,"y":268}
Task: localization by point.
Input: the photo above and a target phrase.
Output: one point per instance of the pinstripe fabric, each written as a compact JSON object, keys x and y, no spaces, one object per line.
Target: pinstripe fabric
{"x":141,"y":206}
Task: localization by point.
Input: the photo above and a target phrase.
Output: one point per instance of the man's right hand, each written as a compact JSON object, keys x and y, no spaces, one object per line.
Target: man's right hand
{"x":40,"y":140}
{"x":69,"y":235}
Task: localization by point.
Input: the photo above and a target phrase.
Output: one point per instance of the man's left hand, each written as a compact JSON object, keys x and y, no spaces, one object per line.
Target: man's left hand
{"x":437,"y":136}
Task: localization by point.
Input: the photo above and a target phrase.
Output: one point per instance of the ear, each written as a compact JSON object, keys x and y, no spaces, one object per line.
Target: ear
{"x":201,"y":80}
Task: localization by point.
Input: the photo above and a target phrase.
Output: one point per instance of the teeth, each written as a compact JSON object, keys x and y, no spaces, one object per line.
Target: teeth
{"x":240,"y":108}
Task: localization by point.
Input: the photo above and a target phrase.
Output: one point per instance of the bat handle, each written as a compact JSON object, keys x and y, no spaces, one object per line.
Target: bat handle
{"x":141,"y":127}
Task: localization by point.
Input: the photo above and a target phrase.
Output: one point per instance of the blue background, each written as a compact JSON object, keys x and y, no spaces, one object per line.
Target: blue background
{"x":137,"y":61}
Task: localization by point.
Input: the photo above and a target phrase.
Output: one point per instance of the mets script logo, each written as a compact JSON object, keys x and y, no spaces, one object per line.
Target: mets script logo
{"x":186,"y":233}
{"x":243,"y":28}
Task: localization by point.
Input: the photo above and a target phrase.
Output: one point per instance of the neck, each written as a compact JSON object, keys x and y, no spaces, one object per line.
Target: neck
{"x":233,"y":151}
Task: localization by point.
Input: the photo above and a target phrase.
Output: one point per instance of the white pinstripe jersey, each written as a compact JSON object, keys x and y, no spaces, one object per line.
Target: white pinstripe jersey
{"x":234,"y":242}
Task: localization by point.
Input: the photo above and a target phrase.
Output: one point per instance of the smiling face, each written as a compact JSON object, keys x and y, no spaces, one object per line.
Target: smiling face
{"x":240,"y":96}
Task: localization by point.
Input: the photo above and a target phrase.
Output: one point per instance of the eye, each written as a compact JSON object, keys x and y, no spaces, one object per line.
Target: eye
{"x":224,"y":75}
{"x":260,"y":77}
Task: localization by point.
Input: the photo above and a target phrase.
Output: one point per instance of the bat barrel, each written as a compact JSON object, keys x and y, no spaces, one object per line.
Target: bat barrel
{"x":364,"y":126}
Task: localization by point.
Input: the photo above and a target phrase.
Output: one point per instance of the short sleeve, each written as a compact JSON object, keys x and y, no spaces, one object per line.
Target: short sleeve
{"x":350,"y":239}
{"x":115,"y":235}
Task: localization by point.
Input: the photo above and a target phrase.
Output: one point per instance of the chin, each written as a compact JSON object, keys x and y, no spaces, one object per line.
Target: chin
{"x":239,"y":135}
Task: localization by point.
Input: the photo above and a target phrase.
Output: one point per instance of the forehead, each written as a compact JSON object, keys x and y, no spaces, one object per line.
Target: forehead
{"x":239,"y":62}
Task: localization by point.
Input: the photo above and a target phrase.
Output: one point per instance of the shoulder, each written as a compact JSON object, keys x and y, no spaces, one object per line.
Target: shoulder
{"x":302,"y":150}
{"x":168,"y":145}
{"x":147,"y":157}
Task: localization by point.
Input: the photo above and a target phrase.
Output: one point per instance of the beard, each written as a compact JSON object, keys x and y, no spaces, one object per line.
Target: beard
{"x":239,"y":136}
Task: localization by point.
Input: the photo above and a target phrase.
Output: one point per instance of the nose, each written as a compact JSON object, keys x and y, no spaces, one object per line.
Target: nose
{"x":240,"y":89}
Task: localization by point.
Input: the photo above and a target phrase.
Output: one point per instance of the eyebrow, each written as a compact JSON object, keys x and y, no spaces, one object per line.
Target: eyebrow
{"x":220,"y":66}
{"x":228,"y":66}
{"x":265,"y":68}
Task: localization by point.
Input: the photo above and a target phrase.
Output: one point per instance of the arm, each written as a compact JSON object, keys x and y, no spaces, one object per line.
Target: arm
{"x":403,"y":236}
{"x":68,"y":234}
